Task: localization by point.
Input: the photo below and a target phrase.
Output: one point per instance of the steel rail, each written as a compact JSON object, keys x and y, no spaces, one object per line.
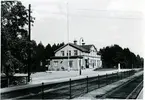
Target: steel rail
{"x":134,"y":91}
{"x":117,"y":88}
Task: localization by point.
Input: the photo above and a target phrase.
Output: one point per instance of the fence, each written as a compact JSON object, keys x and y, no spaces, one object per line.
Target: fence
{"x":66,"y":89}
{"x":92,"y":83}
{"x":13,"y":81}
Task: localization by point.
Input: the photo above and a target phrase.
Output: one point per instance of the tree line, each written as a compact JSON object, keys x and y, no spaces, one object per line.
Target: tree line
{"x":112,"y":55}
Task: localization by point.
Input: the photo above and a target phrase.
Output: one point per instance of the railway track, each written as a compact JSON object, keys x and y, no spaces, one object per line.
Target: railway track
{"x":129,"y":90}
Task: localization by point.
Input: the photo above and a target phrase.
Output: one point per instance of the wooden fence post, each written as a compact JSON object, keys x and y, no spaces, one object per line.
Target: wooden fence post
{"x":42,"y":90}
{"x":8,"y":81}
{"x":117,"y":76}
{"x":70,"y":88}
{"x":111,"y":78}
{"x":98,"y":81}
{"x":106,"y":79}
{"x":87,"y":84}
{"x":121,"y":75}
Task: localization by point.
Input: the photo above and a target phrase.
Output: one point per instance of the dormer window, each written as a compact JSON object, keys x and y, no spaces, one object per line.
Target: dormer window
{"x":62,"y":53}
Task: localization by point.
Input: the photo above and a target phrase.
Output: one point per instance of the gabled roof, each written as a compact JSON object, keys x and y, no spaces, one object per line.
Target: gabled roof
{"x":87,"y":47}
{"x":79,"y":47}
{"x":83,"y":48}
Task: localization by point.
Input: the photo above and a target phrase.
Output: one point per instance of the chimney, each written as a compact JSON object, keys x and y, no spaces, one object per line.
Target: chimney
{"x":75,"y":42}
{"x":83,"y":43}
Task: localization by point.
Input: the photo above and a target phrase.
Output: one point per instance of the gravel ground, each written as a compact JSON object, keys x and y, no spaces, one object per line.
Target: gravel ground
{"x":57,"y":75}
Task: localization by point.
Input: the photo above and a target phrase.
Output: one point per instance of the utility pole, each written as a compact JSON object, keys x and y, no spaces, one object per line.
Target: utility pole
{"x":29,"y":39}
{"x":68,"y":34}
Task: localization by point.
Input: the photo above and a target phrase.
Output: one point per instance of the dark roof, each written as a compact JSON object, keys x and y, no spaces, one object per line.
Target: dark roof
{"x":83,"y":48}
{"x":87,"y":47}
{"x":79,"y":47}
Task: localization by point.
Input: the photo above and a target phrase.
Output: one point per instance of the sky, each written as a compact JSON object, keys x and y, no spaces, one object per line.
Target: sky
{"x":99,"y":22}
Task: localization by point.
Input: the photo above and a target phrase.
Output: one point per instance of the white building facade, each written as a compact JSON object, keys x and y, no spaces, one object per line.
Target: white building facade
{"x":73,"y":57}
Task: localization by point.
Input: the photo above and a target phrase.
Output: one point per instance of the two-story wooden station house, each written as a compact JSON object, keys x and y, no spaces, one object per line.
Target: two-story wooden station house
{"x":73,"y":57}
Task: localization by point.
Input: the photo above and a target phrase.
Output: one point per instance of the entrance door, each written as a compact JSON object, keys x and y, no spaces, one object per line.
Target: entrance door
{"x":87,"y":63}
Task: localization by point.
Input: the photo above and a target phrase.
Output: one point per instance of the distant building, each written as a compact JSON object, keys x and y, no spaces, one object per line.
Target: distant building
{"x":73,"y":57}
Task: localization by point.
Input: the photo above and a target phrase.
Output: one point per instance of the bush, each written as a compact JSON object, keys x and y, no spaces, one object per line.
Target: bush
{"x":62,"y":68}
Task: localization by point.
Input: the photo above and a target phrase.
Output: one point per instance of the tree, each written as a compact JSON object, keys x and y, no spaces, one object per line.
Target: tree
{"x":108,"y":55}
{"x":48,"y":51}
{"x":33,"y":56}
{"x":54,"y":47}
{"x":112,"y":55}
{"x":61,"y":44}
{"x":139,"y":61}
{"x":40,"y":57}
{"x":14,"y":35}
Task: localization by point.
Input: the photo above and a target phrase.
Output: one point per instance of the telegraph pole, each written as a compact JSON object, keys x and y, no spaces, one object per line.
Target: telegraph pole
{"x":68,"y":33}
{"x":29,"y":39}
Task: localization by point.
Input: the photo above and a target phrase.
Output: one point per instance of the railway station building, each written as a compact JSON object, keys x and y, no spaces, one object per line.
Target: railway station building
{"x":73,"y":57}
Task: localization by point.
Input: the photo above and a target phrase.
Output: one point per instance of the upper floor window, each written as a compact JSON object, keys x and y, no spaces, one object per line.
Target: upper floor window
{"x":62,"y":52}
{"x":69,"y":53}
{"x":75,"y":52}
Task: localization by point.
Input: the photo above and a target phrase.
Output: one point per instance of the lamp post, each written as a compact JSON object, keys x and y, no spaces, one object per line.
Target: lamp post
{"x":80,"y":72}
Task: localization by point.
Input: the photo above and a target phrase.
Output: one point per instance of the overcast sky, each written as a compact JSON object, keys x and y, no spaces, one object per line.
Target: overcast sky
{"x":99,"y":22}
